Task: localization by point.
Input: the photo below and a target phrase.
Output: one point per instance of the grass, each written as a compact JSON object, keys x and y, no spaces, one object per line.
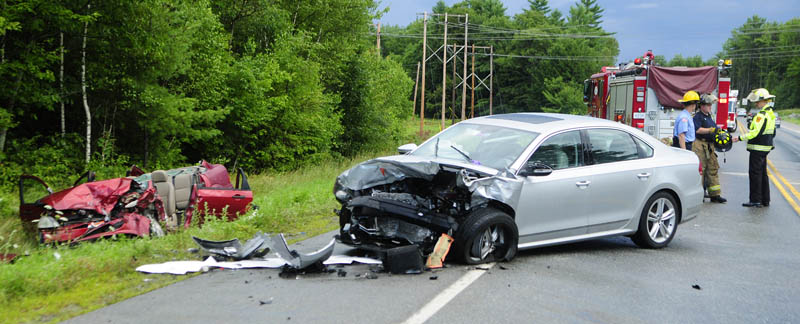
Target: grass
{"x":790,"y":115}
{"x":54,"y":283}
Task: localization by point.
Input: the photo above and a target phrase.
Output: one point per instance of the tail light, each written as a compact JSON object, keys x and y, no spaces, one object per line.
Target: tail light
{"x":619,"y":118}
{"x":700,"y":168}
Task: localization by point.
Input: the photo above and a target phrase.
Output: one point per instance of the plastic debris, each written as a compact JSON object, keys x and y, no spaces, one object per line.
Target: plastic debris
{"x":404,"y":260}
{"x":440,"y":250}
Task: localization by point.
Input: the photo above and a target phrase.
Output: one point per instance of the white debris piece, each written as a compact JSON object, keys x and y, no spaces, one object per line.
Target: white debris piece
{"x":344,"y":259}
{"x":183,"y":267}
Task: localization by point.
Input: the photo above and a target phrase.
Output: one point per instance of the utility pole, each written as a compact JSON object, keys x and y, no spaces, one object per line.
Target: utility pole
{"x":464,"y":88}
{"x":472,"y":108}
{"x":453,"y":90}
{"x":424,"y":59}
{"x":416,"y":81}
{"x":444,"y":71}
{"x":491,"y":77}
{"x":379,"y":39}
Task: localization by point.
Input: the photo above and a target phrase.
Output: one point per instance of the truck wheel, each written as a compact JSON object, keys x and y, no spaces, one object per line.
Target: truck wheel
{"x":658,"y":223}
{"x":486,"y":235}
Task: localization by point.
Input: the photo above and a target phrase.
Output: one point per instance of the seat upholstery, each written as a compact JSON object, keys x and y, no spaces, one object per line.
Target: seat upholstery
{"x":183,"y":190}
{"x":165,"y":190}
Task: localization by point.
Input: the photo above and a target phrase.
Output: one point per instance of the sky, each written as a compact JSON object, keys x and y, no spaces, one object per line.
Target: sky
{"x":668,"y":28}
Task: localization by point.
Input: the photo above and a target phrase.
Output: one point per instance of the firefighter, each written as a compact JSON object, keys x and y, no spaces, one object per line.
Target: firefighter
{"x":683,"y":133}
{"x":759,"y":143}
{"x":705,"y":130}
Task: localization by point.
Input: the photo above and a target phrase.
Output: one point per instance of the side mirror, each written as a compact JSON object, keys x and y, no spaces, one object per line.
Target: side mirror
{"x":406,"y":148}
{"x":536,"y":169}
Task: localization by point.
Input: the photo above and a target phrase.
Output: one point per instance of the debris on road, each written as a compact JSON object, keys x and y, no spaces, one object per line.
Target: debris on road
{"x":404,"y":260}
{"x":298,"y":260}
{"x":184,"y":267}
{"x":697,"y":287}
{"x":440,"y":250}
{"x":254,"y":247}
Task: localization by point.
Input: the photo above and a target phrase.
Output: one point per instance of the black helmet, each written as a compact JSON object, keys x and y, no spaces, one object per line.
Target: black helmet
{"x":722,"y":141}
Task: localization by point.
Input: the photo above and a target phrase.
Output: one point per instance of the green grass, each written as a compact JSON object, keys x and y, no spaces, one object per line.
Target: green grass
{"x":790,"y":115}
{"x":53,"y":283}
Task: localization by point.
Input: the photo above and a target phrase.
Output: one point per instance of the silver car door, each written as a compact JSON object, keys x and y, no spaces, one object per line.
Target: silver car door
{"x":551,"y":206}
{"x":622,"y":178}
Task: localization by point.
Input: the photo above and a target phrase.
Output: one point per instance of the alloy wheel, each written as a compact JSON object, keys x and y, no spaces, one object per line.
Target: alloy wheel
{"x":661,"y":220}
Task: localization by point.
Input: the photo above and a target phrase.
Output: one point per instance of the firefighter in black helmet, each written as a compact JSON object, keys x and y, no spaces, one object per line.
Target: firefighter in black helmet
{"x":705,"y":131}
{"x":759,"y":144}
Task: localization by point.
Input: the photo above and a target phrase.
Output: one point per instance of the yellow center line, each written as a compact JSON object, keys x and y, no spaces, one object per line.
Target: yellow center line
{"x":772,"y":172}
{"x":784,"y":193}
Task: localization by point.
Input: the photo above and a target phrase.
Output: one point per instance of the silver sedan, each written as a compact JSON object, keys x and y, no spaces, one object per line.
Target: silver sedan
{"x":501,"y":183}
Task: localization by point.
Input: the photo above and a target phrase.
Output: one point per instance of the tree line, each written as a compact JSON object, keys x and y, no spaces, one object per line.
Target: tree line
{"x":273,"y":85}
{"x":252,"y":83}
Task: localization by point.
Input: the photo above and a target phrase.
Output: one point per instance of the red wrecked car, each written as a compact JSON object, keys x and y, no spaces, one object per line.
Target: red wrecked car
{"x":133,"y":205}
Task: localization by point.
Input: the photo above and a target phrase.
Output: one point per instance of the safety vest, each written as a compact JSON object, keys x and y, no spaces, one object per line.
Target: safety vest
{"x":762,"y":131}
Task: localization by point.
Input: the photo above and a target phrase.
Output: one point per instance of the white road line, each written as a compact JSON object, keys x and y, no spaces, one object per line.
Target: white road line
{"x":743,"y":174}
{"x":444,"y":297}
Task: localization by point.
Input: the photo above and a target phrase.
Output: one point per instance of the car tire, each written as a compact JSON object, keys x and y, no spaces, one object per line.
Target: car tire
{"x":658,"y":222}
{"x":486,"y":235}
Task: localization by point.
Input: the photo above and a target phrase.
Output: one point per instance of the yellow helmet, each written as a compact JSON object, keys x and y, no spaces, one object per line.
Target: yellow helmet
{"x":759,"y":94}
{"x":690,"y":97}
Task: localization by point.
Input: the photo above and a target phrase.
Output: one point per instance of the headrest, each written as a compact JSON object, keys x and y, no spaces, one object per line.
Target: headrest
{"x":159,"y":176}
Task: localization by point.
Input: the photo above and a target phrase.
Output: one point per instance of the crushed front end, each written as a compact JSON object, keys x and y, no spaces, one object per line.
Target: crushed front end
{"x":397,"y":201}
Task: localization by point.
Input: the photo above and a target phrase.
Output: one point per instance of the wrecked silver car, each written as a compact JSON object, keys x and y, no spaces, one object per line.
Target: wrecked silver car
{"x":503,"y":182}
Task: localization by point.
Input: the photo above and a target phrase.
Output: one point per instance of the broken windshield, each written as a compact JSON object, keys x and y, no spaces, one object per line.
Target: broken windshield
{"x":492,"y":146}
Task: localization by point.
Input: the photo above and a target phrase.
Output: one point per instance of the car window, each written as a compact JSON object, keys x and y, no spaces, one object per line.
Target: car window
{"x":610,"y":145}
{"x":560,"y":151}
{"x":645,"y":151}
{"x":493,"y":146}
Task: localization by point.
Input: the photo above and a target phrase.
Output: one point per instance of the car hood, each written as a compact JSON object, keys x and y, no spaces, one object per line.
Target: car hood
{"x":489,"y":183}
{"x":100,"y":196}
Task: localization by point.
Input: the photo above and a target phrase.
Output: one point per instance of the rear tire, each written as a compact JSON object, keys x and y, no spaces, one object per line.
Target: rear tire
{"x":658,"y":222}
{"x":486,"y":235}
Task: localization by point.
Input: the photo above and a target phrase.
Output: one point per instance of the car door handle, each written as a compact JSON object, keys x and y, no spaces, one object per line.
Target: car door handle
{"x":643,"y":175}
{"x":583,"y":184}
{"x":238,"y":197}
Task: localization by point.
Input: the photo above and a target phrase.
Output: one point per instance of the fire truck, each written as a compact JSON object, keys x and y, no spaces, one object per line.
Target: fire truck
{"x":645,"y":96}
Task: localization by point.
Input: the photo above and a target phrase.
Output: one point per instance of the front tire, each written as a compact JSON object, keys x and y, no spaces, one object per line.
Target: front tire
{"x":658,"y":222}
{"x":486,"y":235}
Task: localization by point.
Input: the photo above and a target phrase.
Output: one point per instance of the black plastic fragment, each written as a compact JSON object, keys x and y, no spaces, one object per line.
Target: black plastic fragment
{"x":697,"y":287}
{"x":404,"y":260}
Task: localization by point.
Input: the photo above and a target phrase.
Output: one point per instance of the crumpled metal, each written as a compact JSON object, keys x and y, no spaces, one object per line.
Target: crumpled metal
{"x":503,"y":186}
{"x":298,"y":260}
{"x":258,"y":246}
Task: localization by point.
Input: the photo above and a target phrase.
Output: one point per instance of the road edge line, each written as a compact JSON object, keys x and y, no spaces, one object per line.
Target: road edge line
{"x":444,"y":297}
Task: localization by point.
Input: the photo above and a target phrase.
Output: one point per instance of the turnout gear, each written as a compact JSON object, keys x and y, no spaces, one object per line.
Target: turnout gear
{"x":703,"y":147}
{"x":690,"y":97}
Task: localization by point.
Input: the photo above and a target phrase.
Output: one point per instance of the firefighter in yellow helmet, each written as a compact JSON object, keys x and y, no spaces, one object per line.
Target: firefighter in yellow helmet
{"x":683,"y":133}
{"x":705,"y":129}
{"x":759,"y":143}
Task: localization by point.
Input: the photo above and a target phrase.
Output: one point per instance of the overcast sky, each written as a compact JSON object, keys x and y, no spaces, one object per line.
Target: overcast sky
{"x":668,"y":27}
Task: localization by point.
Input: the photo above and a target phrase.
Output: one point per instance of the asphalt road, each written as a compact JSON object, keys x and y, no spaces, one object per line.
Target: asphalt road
{"x":729,"y":265}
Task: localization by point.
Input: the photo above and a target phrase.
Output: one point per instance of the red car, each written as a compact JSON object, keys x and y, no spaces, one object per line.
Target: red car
{"x":134,"y":205}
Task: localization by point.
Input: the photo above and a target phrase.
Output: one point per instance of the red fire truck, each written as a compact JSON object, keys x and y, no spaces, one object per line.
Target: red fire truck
{"x":645,"y":96}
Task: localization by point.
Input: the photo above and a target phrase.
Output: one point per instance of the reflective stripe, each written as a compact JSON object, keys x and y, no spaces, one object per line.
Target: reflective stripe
{"x":713,"y":188}
{"x":756,"y":147}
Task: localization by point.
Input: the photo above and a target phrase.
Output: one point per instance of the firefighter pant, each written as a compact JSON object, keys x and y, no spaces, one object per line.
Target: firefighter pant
{"x":759,"y":182}
{"x":708,"y":158}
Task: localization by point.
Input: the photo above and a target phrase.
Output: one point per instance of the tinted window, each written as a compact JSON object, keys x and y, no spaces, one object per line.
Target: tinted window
{"x":560,"y":151}
{"x":609,"y":145}
{"x":645,"y":150}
